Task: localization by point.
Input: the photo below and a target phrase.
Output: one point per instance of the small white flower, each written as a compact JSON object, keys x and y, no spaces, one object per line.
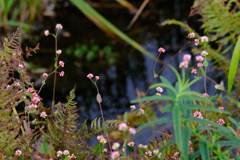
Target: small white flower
{"x":59,"y":153}
{"x":21,"y":66}
{"x":132,"y":107}
{"x":204,"y":53}
{"x":59,"y":26}
{"x":156,"y":151}
{"x":131,"y":144}
{"x":141,"y":111}
{"x":115,"y":146}
{"x":159,"y":89}
{"x":204,"y":39}
{"x":18,"y":153}
{"x":101,"y":139}
{"x":46,"y":33}
{"x":122,"y":127}
{"x":66,"y":152}
{"x":59,"y":51}
{"x":132,"y":131}
{"x":191,"y":35}
{"x":43,"y":114}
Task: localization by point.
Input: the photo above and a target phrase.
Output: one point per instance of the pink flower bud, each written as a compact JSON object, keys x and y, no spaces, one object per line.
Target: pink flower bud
{"x":90,"y":76}
{"x":161,"y":50}
{"x":59,"y":51}
{"x":199,"y":58}
{"x":46,"y":33}
{"x":221,"y":121}
{"x":61,"y":74}
{"x":59,"y":26}
{"x":187,"y":57}
{"x":45,"y":75}
{"x":61,"y":64}
{"x":97,"y":78}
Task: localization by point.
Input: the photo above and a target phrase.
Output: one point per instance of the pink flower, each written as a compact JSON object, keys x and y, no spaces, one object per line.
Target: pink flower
{"x":30,"y":90}
{"x":61,"y":64}
{"x":97,"y":78}
{"x":59,"y":26}
{"x":45,"y":75}
{"x":132,"y":131}
{"x":199,"y":65}
{"x":205,"y":94}
{"x":183,"y":65}
{"x":159,"y":89}
{"x":221,"y":108}
{"x":46,"y":33}
{"x":21,"y":66}
{"x":90,"y":75}
{"x":61,"y":74}
{"x":161,"y":50}
{"x":187,"y":57}
{"x":221,"y":121}
{"x":204,"y":39}
{"x":43,"y":115}
{"x":197,"y":114}
{"x":122,"y":127}
{"x":35,"y":98}
{"x":115,"y":155}
{"x":31,"y":107}
{"x":18,"y":153}
{"x":194,"y":71}
{"x":199,"y":58}
{"x":59,"y":51}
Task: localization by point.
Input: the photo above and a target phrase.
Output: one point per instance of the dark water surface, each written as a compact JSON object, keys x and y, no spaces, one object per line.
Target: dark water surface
{"x":131,"y":70}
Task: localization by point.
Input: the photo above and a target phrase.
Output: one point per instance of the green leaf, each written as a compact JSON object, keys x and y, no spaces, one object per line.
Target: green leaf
{"x":152,"y":98}
{"x":107,"y":26}
{"x":176,"y":120}
{"x":44,"y":147}
{"x":204,"y":151}
{"x":233,"y":65}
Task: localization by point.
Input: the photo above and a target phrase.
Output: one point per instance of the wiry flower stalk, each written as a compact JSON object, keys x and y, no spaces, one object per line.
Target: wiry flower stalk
{"x":99,"y":101}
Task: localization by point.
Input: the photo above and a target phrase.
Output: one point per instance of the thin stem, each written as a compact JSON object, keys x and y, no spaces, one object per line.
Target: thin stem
{"x":55,"y":73}
{"x":44,"y":82}
{"x":101,"y":111}
{"x":205,"y":79}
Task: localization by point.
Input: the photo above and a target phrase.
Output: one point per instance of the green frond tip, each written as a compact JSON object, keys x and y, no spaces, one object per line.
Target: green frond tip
{"x":70,"y":98}
{"x":177,"y":23}
{"x":234,"y":65}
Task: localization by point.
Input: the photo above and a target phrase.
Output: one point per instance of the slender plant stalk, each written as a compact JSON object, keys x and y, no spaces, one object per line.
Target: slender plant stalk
{"x":101,"y":110}
{"x":55,"y":71}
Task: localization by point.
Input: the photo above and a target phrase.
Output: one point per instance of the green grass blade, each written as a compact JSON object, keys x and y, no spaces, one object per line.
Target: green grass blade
{"x":107,"y":26}
{"x":204,"y":151}
{"x":233,"y":65}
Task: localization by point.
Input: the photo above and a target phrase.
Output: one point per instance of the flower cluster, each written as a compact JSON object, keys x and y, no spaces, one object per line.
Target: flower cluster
{"x":66,"y":154}
{"x":186,"y":59}
{"x":159,"y":91}
{"x":102,"y":139}
{"x":91,"y":76}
